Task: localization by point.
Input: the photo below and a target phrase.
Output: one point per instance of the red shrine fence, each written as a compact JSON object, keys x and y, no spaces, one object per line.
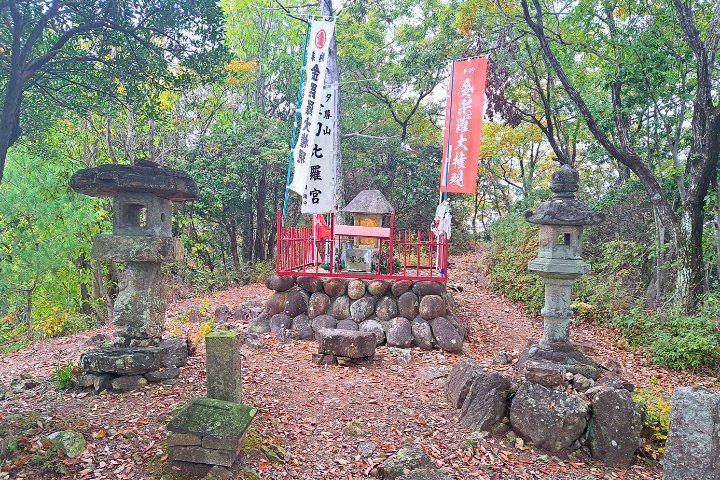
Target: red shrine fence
{"x":403,"y":255}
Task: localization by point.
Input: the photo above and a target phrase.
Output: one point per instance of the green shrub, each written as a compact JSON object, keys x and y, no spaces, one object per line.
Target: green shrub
{"x":673,"y":338}
{"x":514,"y":242}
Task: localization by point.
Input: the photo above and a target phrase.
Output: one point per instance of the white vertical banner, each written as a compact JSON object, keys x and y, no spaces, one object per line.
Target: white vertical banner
{"x":320,"y":188}
{"x":322,"y":31}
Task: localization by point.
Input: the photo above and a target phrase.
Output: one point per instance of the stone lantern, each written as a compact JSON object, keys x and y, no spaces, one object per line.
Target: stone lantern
{"x":142,"y":239}
{"x":559,"y":263}
{"x":368,"y":208}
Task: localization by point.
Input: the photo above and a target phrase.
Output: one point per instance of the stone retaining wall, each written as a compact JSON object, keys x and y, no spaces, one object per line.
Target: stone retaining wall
{"x":401,"y":313}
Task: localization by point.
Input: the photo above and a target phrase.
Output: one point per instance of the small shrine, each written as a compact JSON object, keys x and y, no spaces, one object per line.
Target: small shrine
{"x":368,"y":209}
{"x":364,"y":249}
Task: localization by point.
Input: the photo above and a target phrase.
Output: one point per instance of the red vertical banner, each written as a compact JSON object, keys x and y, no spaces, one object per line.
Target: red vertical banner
{"x":468,"y":95}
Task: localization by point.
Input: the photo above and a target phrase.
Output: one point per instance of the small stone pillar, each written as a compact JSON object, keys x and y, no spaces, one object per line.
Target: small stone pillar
{"x":211,"y":430}
{"x":222,"y":366}
{"x":559,"y":262}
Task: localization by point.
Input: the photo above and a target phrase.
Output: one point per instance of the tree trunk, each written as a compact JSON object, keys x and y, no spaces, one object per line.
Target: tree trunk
{"x":9,"y":119}
{"x":691,"y":272}
{"x":28,"y":307}
{"x":260,"y":197}
{"x":232,"y":235}
{"x":100,"y":284}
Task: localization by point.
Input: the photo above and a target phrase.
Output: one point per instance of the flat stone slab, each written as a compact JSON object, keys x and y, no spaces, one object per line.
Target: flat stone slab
{"x":121,"y":360}
{"x":143,"y":177}
{"x":133,"y":248}
{"x":213,"y":418}
{"x":346,"y":343}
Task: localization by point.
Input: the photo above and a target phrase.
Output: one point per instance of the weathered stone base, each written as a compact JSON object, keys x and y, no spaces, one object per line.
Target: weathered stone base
{"x":329,"y":359}
{"x":123,"y":369}
{"x":209,"y":431}
{"x":565,"y":356}
{"x":553,"y":408}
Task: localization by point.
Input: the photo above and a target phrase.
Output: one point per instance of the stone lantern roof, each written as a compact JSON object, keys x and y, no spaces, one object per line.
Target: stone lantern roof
{"x":369,"y":201}
{"x":564,"y":208}
{"x":143,"y":177}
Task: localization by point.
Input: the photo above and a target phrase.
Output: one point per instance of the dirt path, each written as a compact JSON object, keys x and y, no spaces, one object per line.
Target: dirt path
{"x":319,"y":415}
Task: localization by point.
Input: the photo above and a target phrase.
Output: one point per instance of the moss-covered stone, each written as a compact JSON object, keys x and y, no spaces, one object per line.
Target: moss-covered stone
{"x":214,"y":418}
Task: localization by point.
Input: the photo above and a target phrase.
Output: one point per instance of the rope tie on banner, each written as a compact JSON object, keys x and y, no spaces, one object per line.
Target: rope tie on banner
{"x":297,"y":112}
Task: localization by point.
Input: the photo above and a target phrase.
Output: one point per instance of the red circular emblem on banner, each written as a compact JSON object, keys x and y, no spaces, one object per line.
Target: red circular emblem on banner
{"x":320,"y":39}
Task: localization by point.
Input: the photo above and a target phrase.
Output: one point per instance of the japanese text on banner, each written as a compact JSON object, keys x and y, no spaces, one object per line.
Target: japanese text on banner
{"x":467,"y":109}
{"x":317,"y":56}
{"x":320,"y":189}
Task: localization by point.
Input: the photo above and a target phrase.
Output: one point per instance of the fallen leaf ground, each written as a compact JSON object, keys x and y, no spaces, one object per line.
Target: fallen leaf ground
{"x":317,"y":414}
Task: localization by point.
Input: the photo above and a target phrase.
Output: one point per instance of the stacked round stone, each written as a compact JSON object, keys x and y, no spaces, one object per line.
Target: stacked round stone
{"x":401,"y":313}
{"x":142,"y":239}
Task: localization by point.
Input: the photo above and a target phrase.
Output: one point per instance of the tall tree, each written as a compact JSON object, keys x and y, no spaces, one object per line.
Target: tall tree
{"x":610,"y":33}
{"x":75,"y":54}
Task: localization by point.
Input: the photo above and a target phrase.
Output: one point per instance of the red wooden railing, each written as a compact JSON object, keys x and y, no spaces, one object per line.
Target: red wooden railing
{"x":298,"y":253}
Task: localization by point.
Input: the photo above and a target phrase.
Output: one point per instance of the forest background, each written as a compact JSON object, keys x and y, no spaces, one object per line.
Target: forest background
{"x":624,"y":91}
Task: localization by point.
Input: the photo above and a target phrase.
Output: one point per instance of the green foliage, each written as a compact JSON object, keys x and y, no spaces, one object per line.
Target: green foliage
{"x":656,"y":419}
{"x":45,"y":228}
{"x":62,"y":374}
{"x":673,"y":338}
{"x":514,"y":242}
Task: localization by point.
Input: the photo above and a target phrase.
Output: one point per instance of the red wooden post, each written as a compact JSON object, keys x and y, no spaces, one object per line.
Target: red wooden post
{"x":277,"y":242}
{"x":332,"y":241}
{"x":392,"y":237}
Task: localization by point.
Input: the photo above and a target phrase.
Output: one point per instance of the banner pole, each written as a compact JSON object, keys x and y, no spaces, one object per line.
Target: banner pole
{"x":297,"y":112}
{"x":447,"y":152}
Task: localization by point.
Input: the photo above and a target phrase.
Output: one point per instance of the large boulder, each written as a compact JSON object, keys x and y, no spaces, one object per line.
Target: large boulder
{"x":546,"y":373}
{"x":323,"y":321}
{"x":127,"y":383}
{"x":297,"y":302}
{"x":404,"y":461}
{"x":261,"y":324}
{"x":432,"y":306}
{"x":340,"y":307}
{"x":426,"y":287}
{"x":486,"y":402}
{"x":400,"y":287}
{"x":174,"y":352}
{"x":275,"y":303}
{"x":222,"y":314}
{"x":71,"y":442}
{"x":280,"y":283}
{"x":347,"y":324}
{"x":373,"y":326}
{"x":310,"y":284}
{"x":363,"y":308}
{"x":386,"y":309}
{"x":319,"y":304}
{"x":692,"y":448}
{"x":460,"y":381}
{"x":408,"y":304}
{"x":550,"y":419}
{"x":356,"y":289}
{"x":446,"y":335}
{"x":303,"y":326}
{"x":335,"y":287}
{"x":399,"y":333}
{"x":346,"y":343}
{"x":280,"y":322}
{"x":614,"y":429}
{"x":422,"y":334}
{"x":378,"y":287}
